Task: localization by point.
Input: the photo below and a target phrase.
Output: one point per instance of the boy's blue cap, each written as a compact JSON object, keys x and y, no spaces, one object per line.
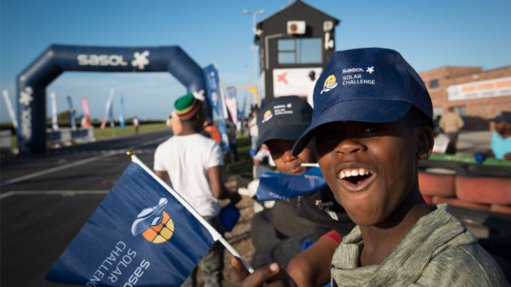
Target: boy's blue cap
{"x":283,"y":118}
{"x":366,"y":85}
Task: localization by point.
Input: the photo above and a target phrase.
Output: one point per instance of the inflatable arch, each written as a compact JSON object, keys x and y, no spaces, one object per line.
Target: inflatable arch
{"x":32,"y":82}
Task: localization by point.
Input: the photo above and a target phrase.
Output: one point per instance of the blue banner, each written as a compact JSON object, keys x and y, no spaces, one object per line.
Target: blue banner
{"x":122,"y":123}
{"x":280,"y":186}
{"x":140,"y":235}
{"x":217,"y":104}
{"x":72,"y":113}
{"x":111,"y":114}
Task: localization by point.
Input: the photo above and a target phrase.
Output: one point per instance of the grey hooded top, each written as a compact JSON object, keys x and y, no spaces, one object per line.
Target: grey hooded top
{"x":438,"y":251}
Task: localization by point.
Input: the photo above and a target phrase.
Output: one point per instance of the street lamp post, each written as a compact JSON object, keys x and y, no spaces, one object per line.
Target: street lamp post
{"x":254,"y":14}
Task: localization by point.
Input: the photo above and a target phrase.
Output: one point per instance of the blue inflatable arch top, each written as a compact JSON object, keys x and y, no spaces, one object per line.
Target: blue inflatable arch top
{"x":32,"y":82}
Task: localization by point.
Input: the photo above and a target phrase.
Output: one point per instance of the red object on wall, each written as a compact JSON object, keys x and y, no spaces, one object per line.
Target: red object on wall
{"x":461,"y":203}
{"x":491,"y":190}
{"x":501,"y":208}
{"x":428,"y":199}
{"x":436,"y":184}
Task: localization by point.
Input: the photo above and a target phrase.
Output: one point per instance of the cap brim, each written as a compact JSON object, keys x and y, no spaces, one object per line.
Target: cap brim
{"x":380,"y":111}
{"x":500,"y":118}
{"x":291,"y":133}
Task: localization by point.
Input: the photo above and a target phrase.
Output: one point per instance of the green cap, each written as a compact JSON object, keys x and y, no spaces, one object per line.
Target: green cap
{"x":187,"y":106}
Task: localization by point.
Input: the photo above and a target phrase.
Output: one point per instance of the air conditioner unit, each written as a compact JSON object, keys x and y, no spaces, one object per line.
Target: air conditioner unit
{"x":328,"y":26}
{"x":296,"y":27}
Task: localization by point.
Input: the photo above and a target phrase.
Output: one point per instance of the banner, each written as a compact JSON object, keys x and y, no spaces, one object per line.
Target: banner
{"x":231,"y":104}
{"x":54,"y":121}
{"x":86,"y":122}
{"x":280,"y":186}
{"x":122,"y":123}
{"x":72,"y":113}
{"x":10,"y":109}
{"x":140,"y":234}
{"x":108,"y":110}
{"x":499,"y":87}
{"x":215,"y":96}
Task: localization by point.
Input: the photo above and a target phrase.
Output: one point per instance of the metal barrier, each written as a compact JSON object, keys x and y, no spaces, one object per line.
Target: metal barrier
{"x":68,"y":137}
{"x":5,"y":140}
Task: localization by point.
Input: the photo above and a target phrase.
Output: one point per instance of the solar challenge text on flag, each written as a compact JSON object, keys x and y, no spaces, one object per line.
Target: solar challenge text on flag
{"x":142,"y":234}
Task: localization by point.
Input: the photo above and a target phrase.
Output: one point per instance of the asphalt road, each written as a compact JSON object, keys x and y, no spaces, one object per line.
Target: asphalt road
{"x":45,"y":199}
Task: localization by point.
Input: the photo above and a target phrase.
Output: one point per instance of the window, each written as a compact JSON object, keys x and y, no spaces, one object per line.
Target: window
{"x":299,"y":51}
{"x":433,"y":84}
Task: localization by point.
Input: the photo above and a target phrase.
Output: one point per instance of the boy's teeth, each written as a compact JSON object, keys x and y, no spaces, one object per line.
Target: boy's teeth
{"x":353,"y":172}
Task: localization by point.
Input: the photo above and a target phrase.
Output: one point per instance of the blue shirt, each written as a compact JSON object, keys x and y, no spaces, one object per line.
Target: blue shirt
{"x":500,"y":146}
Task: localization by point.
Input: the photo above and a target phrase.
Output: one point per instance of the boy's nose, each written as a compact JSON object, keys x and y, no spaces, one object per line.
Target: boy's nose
{"x":348,"y":146}
{"x":288,"y":156}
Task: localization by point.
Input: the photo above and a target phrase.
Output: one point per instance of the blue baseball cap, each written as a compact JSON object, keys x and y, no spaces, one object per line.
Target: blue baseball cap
{"x":283,"y":118}
{"x":366,"y":85}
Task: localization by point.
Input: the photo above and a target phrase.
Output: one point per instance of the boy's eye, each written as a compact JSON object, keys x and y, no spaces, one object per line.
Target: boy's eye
{"x":276,"y":152}
{"x":370,"y":130}
{"x":328,"y":136}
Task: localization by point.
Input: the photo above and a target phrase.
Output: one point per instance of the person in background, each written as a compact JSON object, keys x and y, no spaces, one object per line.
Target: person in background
{"x":231,"y":135}
{"x":451,"y":123}
{"x":252,"y":130}
{"x":135,"y":125}
{"x":212,"y":131}
{"x":500,"y":146}
{"x":372,"y":124}
{"x":193,"y":165}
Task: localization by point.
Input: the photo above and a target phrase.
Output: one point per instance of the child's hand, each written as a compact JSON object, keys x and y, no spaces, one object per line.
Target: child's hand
{"x":267,"y":275}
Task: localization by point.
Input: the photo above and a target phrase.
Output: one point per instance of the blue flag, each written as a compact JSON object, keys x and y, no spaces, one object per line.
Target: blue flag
{"x":142,"y":234}
{"x":122,"y":122}
{"x":214,"y":94}
{"x":280,"y":186}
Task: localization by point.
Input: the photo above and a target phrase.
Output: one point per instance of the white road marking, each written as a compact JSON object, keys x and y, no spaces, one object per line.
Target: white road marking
{"x":51,"y":170}
{"x":64,"y":193}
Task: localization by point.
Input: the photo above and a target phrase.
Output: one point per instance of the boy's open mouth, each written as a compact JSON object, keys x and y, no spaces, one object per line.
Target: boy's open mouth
{"x":355,"y":177}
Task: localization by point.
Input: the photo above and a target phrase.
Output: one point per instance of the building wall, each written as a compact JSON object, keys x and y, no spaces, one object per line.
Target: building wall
{"x":484,"y":108}
{"x":274,"y":28}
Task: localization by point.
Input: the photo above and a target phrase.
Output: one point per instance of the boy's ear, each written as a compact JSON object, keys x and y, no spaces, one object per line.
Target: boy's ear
{"x":425,"y":142}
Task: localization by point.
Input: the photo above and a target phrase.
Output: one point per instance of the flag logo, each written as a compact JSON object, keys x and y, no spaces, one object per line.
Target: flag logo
{"x":154,"y":223}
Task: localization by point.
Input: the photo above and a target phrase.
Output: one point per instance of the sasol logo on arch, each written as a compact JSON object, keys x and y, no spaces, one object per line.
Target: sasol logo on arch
{"x":100,"y":60}
{"x":140,"y":60}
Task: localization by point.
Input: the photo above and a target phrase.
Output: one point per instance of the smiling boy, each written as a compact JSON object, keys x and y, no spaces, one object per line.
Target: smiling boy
{"x":371,"y":125}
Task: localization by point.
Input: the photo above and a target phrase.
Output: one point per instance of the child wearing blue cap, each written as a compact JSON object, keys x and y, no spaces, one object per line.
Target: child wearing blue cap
{"x":372,"y":123}
{"x":280,"y":232}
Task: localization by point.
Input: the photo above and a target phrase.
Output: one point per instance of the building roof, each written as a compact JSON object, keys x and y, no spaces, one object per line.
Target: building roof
{"x":295,"y":8}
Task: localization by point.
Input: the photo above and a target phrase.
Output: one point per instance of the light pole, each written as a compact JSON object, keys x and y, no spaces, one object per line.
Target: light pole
{"x":254,"y":14}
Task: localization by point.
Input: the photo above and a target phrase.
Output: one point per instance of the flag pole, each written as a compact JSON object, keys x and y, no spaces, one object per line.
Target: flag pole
{"x":214,"y":233}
